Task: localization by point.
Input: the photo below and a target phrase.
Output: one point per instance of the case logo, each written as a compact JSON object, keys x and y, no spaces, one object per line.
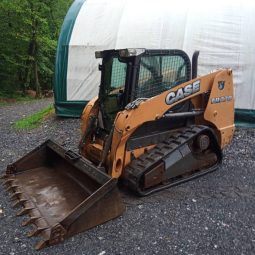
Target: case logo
{"x":175,"y":96}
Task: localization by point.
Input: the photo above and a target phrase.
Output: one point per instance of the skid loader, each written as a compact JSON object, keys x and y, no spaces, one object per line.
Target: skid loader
{"x":154,"y":124}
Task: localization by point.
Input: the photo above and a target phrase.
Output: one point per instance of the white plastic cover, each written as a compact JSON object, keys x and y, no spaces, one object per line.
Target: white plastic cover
{"x":223,"y":32}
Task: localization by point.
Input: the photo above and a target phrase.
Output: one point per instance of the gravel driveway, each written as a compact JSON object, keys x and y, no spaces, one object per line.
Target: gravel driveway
{"x":214,"y":214}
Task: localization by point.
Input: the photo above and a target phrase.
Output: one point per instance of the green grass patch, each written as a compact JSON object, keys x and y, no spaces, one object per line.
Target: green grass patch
{"x":34,"y":120}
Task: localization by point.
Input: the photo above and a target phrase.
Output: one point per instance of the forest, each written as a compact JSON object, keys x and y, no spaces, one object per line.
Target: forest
{"x":29,"y":34}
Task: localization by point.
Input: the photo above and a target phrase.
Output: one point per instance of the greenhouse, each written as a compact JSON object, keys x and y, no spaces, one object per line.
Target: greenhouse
{"x":223,"y":33}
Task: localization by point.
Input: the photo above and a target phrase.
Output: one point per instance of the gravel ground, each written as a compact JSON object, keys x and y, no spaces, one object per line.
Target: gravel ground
{"x":214,"y":214}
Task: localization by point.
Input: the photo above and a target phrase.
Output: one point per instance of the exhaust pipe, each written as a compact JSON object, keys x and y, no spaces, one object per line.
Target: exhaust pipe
{"x":194,"y":64}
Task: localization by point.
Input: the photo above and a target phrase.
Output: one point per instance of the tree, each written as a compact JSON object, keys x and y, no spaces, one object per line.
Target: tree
{"x":28,"y":41}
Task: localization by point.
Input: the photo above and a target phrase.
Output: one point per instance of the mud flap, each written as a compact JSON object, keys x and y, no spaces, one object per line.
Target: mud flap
{"x":61,"y":193}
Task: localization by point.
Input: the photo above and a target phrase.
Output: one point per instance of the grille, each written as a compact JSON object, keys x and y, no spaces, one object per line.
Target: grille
{"x":160,"y":73}
{"x":118,"y":76}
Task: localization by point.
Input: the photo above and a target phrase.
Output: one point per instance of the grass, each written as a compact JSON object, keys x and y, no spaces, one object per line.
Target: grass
{"x":34,"y":120}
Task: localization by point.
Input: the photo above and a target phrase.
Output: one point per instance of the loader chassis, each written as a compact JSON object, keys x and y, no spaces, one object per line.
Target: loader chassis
{"x":159,"y":98}
{"x":153,"y":125}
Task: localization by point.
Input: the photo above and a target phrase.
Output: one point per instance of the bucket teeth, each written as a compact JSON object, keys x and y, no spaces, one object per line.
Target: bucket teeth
{"x":4,"y":176}
{"x":9,"y":189}
{"x":12,"y":187}
{"x":35,"y":232}
{"x":24,"y":211}
{"x":19,"y":202}
{"x":15,"y":195}
{"x":41,"y":223}
{"x":9,"y":181}
{"x":29,"y":221}
{"x":40,"y":245}
{"x":35,"y":214}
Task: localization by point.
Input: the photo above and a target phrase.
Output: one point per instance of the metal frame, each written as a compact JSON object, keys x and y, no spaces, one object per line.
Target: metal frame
{"x":132,"y":57}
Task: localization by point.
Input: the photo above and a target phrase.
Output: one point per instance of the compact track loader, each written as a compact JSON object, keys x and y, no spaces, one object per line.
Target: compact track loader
{"x":155,"y":124}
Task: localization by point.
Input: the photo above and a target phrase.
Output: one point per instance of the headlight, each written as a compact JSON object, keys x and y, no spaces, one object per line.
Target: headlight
{"x":131,"y":52}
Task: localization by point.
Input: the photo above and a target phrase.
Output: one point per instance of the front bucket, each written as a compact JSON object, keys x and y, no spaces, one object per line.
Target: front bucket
{"x":61,"y":192}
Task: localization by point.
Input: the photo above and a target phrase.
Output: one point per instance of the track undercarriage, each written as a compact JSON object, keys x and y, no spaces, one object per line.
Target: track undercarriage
{"x":187,"y":153}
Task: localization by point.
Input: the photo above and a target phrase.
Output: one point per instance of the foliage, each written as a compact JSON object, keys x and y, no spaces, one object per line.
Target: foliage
{"x":11,"y":97}
{"x":35,"y":119}
{"x":28,"y":40}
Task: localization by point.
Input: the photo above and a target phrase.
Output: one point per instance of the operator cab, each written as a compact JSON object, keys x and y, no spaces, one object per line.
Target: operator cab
{"x":128,"y":74}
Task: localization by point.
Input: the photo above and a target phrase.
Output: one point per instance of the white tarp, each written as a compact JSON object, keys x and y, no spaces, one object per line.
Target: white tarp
{"x":223,"y":32}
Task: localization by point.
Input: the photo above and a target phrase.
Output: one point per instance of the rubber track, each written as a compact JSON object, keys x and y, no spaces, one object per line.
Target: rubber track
{"x":139,"y":166}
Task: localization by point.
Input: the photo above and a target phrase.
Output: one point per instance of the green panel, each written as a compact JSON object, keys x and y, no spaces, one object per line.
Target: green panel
{"x":61,"y":63}
{"x":70,"y":108}
{"x":245,"y":118}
